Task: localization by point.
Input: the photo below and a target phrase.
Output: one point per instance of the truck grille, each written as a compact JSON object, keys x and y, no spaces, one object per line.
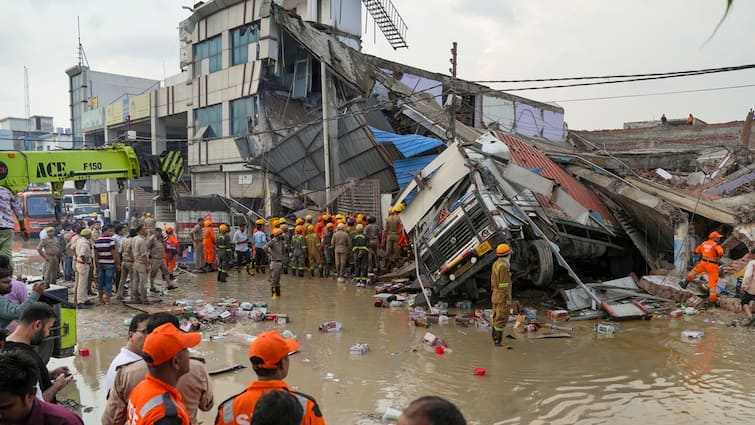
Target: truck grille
{"x":463,"y":230}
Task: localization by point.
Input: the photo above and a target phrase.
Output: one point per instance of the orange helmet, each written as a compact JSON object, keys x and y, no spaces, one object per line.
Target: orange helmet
{"x":329,"y":225}
{"x":223,"y":228}
{"x":714,"y":235}
{"x":169,"y":229}
{"x":207,"y":223}
{"x":502,"y":249}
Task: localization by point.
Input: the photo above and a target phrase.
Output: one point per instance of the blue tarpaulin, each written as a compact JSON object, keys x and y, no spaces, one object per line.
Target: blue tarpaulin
{"x":409,"y":145}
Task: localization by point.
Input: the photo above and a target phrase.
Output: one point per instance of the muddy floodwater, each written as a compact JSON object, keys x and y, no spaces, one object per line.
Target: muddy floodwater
{"x":645,"y":373}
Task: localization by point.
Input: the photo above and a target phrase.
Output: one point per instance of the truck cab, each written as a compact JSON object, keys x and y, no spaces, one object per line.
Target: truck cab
{"x":39,"y":209}
{"x":80,"y":205}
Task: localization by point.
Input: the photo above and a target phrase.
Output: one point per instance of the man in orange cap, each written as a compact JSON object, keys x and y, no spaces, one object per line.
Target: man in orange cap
{"x":711,"y":253}
{"x":156,"y":400}
{"x":269,"y":356}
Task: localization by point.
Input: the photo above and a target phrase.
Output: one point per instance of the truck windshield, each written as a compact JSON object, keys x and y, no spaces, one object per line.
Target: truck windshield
{"x":86,"y":210}
{"x":83,"y":199}
{"x":40,"y":206}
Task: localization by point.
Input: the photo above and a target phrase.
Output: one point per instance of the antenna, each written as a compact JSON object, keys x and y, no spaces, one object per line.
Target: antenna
{"x":80,"y":53}
{"x":26,"y":97}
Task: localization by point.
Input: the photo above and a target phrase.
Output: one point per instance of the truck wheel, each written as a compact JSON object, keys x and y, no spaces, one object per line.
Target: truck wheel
{"x":542,"y":271}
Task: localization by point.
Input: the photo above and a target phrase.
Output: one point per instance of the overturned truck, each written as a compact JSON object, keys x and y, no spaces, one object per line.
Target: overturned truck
{"x":499,"y":189}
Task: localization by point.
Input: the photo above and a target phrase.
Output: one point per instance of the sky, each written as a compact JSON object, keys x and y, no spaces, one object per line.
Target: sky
{"x":497,"y":40}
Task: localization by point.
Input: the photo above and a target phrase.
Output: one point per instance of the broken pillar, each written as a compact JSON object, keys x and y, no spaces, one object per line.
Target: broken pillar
{"x":681,"y":244}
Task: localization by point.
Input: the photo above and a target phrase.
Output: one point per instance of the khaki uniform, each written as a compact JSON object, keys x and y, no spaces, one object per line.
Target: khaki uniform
{"x":372,"y":231}
{"x":341,"y":247}
{"x":141,"y":265}
{"x":157,"y":259}
{"x":51,"y":248}
{"x":274,"y":247}
{"x":83,"y":262}
{"x":500,"y":286}
{"x":149,"y":224}
{"x":127,"y":266}
{"x":195,"y":388}
{"x":197,"y":234}
{"x":391,"y":237}
{"x":314,"y":256}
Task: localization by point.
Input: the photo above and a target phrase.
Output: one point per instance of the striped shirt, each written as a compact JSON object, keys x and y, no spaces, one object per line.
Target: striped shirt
{"x":104,"y":246}
{"x":9,"y":205}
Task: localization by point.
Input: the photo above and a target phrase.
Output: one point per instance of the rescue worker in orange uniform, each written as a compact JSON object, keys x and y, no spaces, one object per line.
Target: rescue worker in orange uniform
{"x":500,"y":285}
{"x":269,"y":356}
{"x":156,"y":399}
{"x":171,"y":250}
{"x":208,"y":243}
{"x":711,"y":253}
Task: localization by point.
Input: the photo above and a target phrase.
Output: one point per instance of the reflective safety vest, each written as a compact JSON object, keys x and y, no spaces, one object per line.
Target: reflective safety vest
{"x":154,"y":400}
{"x":238,"y":409}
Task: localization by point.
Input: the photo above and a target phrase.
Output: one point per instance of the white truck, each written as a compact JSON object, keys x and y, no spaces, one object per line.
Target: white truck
{"x":470,"y":199}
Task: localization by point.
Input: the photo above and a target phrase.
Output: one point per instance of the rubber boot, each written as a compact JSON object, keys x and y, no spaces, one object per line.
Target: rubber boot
{"x":224,"y":275}
{"x":311,"y":273}
{"x":301,"y":273}
{"x":273,"y":292}
{"x":278,"y":291}
{"x":497,"y":338}
{"x":285,"y":270}
{"x":171,"y":277}
{"x":220,"y":276}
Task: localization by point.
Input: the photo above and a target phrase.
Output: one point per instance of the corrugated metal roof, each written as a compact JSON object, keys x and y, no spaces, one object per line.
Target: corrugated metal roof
{"x":529,"y":157}
{"x":406,"y":169}
{"x":409,"y":144}
{"x":299,"y":159}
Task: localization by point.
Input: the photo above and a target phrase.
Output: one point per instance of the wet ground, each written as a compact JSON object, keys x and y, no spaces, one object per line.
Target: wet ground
{"x":644,"y":373}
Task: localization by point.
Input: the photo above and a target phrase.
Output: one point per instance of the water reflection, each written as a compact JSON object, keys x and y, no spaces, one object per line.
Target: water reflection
{"x":645,"y":373}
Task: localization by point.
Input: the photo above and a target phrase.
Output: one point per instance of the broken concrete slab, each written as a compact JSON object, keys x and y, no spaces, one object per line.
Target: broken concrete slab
{"x":668,"y":287}
{"x":579,"y":299}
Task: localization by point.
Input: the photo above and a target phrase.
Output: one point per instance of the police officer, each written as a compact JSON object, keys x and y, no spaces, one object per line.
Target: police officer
{"x":500,"y":285}
{"x":224,"y":251}
{"x":274,"y":248}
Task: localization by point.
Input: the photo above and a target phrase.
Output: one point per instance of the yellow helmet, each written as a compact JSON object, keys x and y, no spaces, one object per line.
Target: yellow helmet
{"x":502,"y":249}
{"x":297,"y":229}
{"x":277,"y":231}
{"x":390,"y":210}
{"x":223,"y":228}
{"x":149,"y":214}
{"x":399,"y":207}
{"x":310,"y":228}
{"x":207,"y":223}
{"x":360,"y":217}
{"x":299,"y":220}
{"x":260,"y":221}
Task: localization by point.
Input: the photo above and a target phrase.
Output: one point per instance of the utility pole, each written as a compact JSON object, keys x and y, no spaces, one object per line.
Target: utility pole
{"x":326,"y":131}
{"x":451,"y":131}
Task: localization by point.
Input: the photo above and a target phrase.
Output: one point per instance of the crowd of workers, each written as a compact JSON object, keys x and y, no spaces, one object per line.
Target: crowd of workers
{"x":337,"y":246}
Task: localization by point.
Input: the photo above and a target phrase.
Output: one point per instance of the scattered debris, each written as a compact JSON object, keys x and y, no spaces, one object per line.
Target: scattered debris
{"x":226,"y":369}
{"x":331,"y":326}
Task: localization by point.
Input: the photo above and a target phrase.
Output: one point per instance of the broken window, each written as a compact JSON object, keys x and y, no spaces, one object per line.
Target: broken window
{"x":210,"y":117}
{"x":208,"y":56}
{"x":243,"y":115}
{"x":241,"y":38}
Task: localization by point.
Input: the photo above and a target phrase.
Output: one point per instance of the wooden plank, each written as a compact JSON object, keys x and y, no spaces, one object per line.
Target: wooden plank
{"x":157,"y":308}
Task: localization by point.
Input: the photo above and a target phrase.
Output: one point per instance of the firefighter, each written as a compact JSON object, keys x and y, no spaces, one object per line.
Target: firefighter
{"x":372,"y":231}
{"x":285,"y":239}
{"x":224,"y":249}
{"x":208,"y":243}
{"x":299,"y":249}
{"x":327,"y":249}
{"x":500,"y":286}
{"x":711,"y":253}
{"x":361,"y":250}
{"x":172,"y":248}
{"x":314,"y":255}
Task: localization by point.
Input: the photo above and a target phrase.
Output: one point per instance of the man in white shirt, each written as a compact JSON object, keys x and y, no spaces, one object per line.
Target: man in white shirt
{"x":748,"y":291}
{"x":132,"y":351}
{"x":241,"y":242}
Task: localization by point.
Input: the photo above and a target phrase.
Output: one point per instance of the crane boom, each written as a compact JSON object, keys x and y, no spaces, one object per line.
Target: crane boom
{"x":18,"y":169}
